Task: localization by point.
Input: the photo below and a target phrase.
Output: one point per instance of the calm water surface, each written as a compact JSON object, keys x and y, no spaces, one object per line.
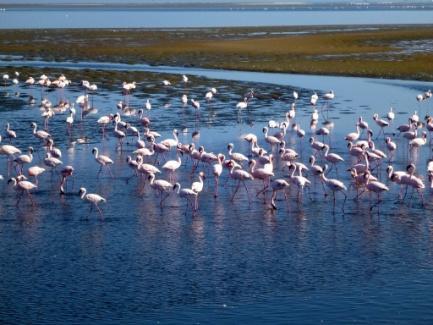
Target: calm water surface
{"x":232,"y":262}
{"x":85,"y":18}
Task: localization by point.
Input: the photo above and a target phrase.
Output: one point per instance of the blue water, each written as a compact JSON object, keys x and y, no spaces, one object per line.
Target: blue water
{"x":232,"y":262}
{"x":137,"y":18}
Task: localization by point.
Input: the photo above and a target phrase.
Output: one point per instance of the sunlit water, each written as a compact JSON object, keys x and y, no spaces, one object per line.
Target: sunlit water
{"x":124,"y":18}
{"x":231,"y":262}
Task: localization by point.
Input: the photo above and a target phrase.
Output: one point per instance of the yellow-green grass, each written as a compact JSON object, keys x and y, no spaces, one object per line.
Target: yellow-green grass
{"x":358,"y":53}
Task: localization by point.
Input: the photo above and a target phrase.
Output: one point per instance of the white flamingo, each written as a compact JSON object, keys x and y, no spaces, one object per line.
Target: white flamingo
{"x":162,"y":186}
{"x":93,"y":199}
{"x":334,"y":185}
{"x":23,"y":186}
{"x":171,"y":166}
{"x":241,"y":176}
{"x":102,"y":160}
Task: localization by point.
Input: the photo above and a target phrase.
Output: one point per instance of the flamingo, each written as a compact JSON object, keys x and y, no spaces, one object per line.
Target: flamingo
{"x":208,"y":96}
{"x":353,"y":136}
{"x":66,"y":172}
{"x":159,"y":148}
{"x":250,"y":137}
{"x":236,"y":156}
{"x":313,"y":99}
{"x":148,"y":105}
{"x":198,"y":186}
{"x":292,"y":112}
{"x":5,"y":79}
{"x":52,"y":162}
{"x":217,"y":170}
{"x":188,"y":194}
{"x":241,"y":176}
{"x":278,"y":185}
{"x":10,"y":151}
{"x":333,"y":158}
{"x":263,"y":174}
{"x":390,"y":115}
{"x":162,"y":186}
{"x":171,"y":166}
{"x":242,"y":104}
{"x":270,"y":139}
{"x":24,"y":159}
{"x":374,"y":186}
{"x":54,"y":151}
{"x":145,"y":168}
{"x":334,"y":185}
{"x":102,"y":160}
{"x":23,"y":186}
{"x":298,"y":180}
{"x":143,"y":120}
{"x":70,"y":119}
{"x":195,"y":104}
{"x":418,"y":142}
{"x":391,"y":146}
{"x":11,"y":134}
{"x":118,"y":133}
{"x":381,"y":123}
{"x":316,"y":145}
{"x":40,"y":134}
{"x":171,"y":143}
{"x":93,"y":199}
{"x":35,"y":171}
{"x":103,"y":121}
{"x":329,"y":95}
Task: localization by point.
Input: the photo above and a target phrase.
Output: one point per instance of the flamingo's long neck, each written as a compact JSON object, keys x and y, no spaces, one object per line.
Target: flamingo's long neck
{"x":326,"y":150}
{"x":252,"y":145}
{"x":367,"y":163}
{"x":313,"y":161}
{"x":253,"y":166}
{"x":83,"y":194}
{"x":294,"y":170}
{"x":391,"y":171}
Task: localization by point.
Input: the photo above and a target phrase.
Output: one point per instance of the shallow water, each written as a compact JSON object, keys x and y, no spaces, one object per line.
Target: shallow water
{"x":232,"y":262}
{"x":137,"y":18}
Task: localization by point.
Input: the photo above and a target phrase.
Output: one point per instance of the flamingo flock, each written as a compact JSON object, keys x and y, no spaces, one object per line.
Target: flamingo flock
{"x":274,"y":163}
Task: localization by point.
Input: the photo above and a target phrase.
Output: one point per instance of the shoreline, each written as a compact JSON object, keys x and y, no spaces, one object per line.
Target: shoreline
{"x":386,"y":52}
